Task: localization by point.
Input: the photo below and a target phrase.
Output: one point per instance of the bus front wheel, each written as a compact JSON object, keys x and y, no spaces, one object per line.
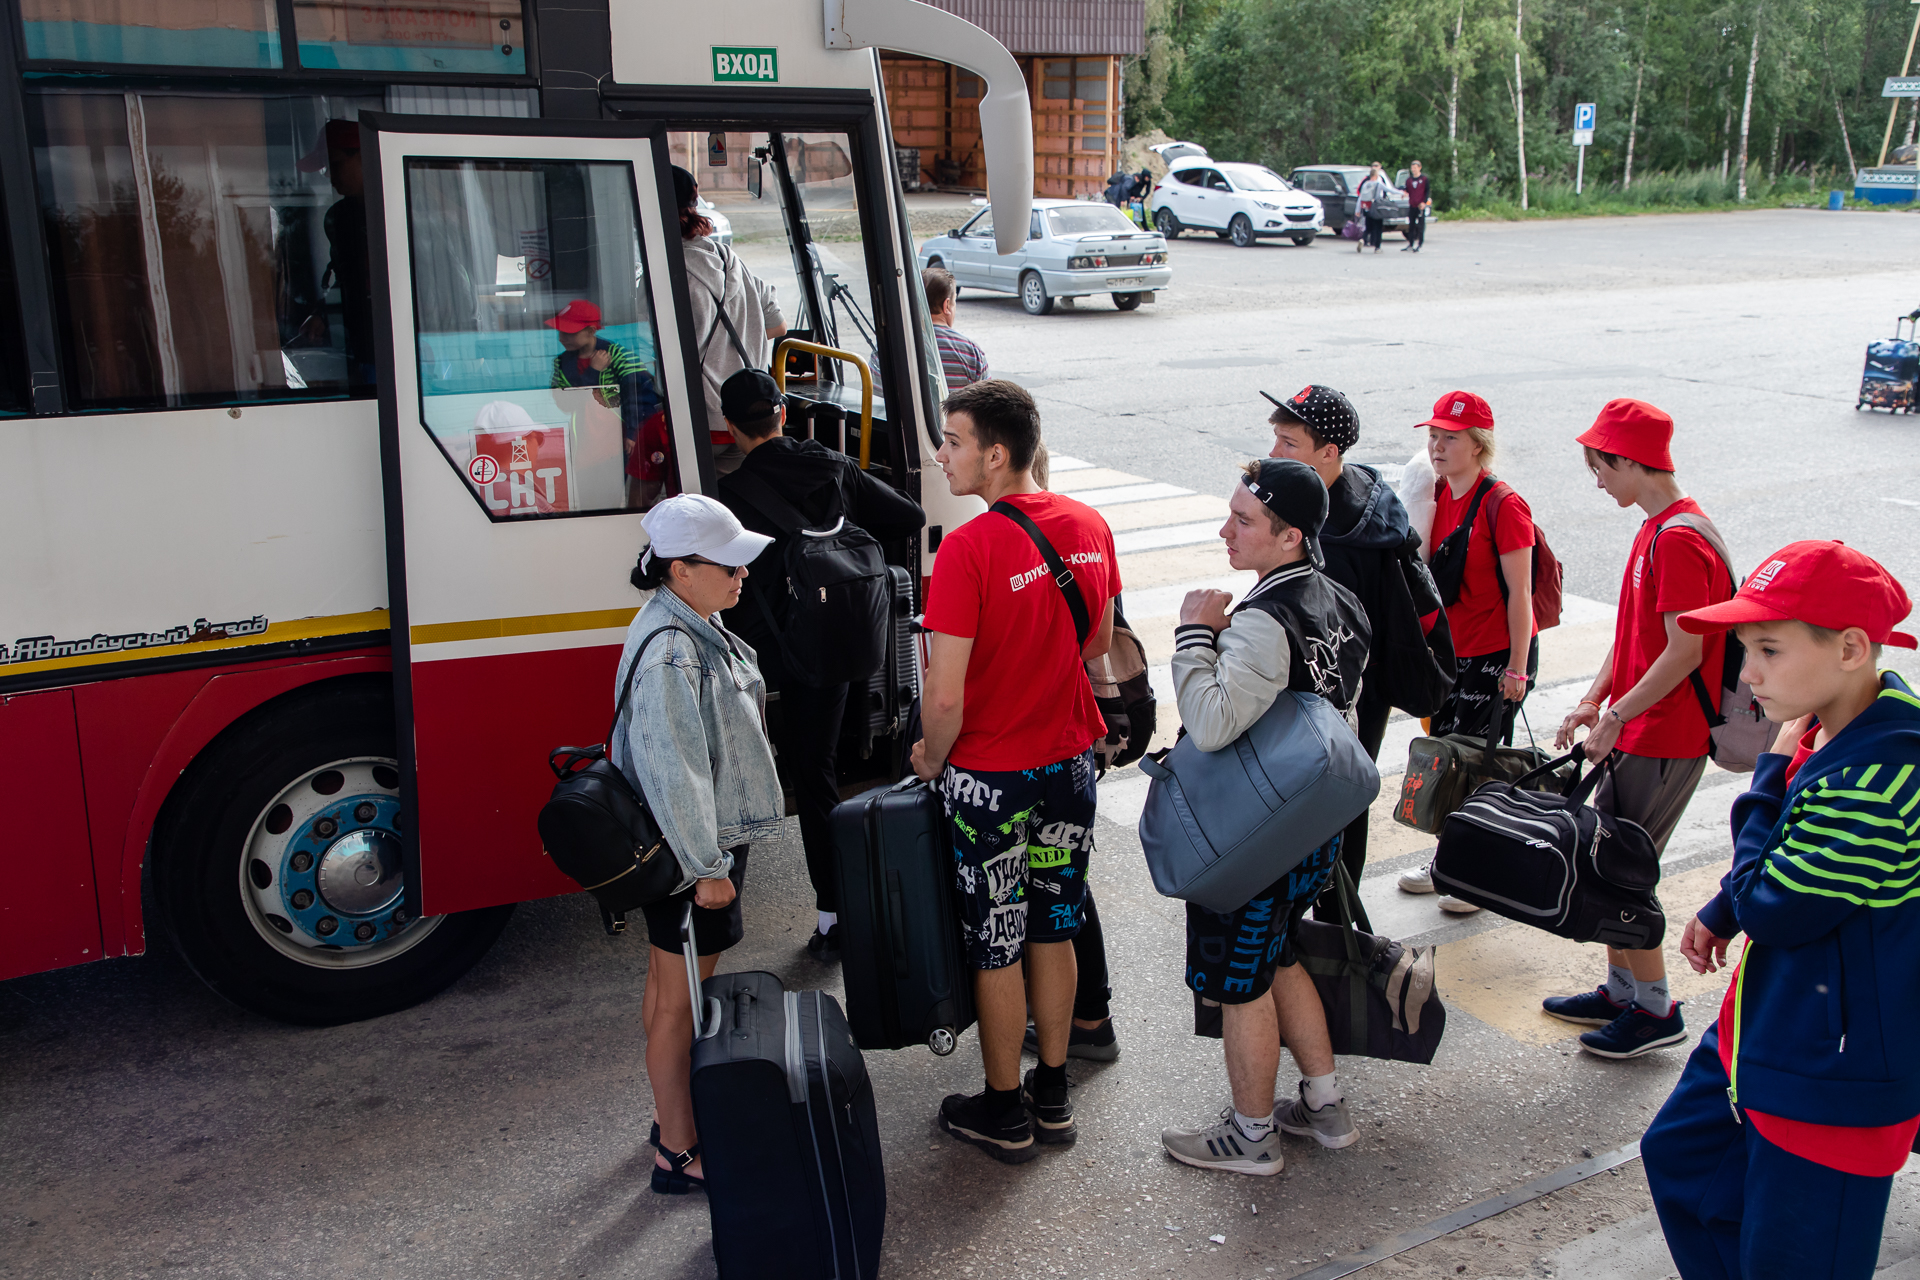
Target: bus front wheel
{"x":276,"y":866}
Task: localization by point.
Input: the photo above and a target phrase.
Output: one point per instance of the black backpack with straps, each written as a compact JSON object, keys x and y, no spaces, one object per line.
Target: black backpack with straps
{"x":835,"y":615}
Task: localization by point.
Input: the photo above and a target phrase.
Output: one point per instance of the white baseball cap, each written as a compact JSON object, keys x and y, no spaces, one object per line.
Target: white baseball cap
{"x":692,"y":524}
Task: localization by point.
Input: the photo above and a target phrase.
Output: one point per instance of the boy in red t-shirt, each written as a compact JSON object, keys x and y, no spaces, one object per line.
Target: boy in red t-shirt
{"x":1652,"y":722}
{"x":1776,"y":1152}
{"x":1010,"y":721}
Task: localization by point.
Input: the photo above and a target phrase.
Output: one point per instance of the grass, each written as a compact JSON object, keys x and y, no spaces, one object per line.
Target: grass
{"x":1697,"y":190}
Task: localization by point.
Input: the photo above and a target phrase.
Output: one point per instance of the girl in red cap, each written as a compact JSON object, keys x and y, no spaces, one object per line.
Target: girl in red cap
{"x":1642,"y":709}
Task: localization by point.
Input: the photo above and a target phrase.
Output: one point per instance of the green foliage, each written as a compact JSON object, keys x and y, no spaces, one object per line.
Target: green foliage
{"x":1288,"y":82}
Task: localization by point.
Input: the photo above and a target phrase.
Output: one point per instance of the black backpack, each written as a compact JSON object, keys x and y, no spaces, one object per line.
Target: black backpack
{"x":835,"y":617}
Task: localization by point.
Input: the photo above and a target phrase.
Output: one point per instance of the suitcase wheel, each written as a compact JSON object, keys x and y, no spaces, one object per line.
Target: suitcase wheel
{"x":942,"y":1041}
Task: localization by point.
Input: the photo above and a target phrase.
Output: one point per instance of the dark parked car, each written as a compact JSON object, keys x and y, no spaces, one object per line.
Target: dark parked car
{"x":1337,"y":188}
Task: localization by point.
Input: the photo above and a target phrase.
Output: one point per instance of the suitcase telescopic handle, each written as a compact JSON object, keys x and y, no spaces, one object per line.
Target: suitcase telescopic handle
{"x":706,"y":1013}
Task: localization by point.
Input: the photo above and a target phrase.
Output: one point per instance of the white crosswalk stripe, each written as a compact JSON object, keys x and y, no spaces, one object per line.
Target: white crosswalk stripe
{"x":1130,"y":493}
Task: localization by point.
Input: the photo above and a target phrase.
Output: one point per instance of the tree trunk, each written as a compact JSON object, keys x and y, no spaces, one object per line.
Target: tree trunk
{"x":1853,"y":170}
{"x":1520,"y":100}
{"x":1453,"y":97}
{"x":1773,"y":153}
{"x":1746,"y":109}
{"x":1633,"y":121}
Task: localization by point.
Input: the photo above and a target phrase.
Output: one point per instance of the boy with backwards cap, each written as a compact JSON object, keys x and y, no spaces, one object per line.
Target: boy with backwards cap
{"x":1775,"y":1153}
{"x":1642,"y":708}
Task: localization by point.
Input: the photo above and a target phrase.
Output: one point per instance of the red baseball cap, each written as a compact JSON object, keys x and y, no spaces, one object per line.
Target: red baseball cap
{"x":580,"y":314}
{"x":1633,"y":429}
{"x":1827,"y":584}
{"x":1458,"y":410}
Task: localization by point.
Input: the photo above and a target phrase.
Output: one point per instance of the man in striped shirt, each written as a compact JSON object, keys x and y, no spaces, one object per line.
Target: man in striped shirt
{"x":961,"y":358}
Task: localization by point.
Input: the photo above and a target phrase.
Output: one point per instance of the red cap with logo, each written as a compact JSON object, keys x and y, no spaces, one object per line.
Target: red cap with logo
{"x":580,"y":314}
{"x":1825,"y":584}
{"x":1458,"y":410}
{"x":1633,"y":429}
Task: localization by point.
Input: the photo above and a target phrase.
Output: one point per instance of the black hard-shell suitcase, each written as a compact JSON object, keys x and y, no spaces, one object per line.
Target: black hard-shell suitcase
{"x":789,"y":1140}
{"x":890,"y":691}
{"x":900,"y":944}
{"x":1553,"y":862}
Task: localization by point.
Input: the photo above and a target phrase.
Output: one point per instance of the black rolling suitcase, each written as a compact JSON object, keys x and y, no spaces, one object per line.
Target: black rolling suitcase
{"x":890,"y":691}
{"x":788,"y":1136}
{"x":905,"y":970}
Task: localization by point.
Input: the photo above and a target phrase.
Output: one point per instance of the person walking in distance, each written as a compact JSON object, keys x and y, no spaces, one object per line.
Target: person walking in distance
{"x":1641,"y":708}
{"x":1009,"y":722}
{"x":1483,"y":565}
{"x":1373,"y":193}
{"x":961,"y":360}
{"x":1296,"y":629}
{"x":1419,"y":204}
{"x":823,"y":487}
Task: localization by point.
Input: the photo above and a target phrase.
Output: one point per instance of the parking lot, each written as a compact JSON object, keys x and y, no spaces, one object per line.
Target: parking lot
{"x":147,"y":1128}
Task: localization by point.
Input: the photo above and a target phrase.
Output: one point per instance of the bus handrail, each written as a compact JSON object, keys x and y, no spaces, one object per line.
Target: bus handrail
{"x":833,"y":353}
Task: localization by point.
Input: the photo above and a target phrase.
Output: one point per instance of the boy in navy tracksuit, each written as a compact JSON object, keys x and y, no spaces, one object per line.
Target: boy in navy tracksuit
{"x":1776,"y":1152}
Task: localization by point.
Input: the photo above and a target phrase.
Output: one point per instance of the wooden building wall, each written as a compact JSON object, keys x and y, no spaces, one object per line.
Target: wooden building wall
{"x":1076,"y":120}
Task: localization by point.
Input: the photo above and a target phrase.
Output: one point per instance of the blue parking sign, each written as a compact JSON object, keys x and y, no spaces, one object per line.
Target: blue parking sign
{"x":1583,"y":116}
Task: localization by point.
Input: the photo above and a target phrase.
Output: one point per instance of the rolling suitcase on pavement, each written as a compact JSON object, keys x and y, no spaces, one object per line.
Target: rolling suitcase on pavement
{"x":890,"y":691}
{"x":788,"y":1135}
{"x":1892,"y":370}
{"x":905,"y":970}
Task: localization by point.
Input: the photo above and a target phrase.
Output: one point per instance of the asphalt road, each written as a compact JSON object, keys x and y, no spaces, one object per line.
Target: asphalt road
{"x":146,"y":1128}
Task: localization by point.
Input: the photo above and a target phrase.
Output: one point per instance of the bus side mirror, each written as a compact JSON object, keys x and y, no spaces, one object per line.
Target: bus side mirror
{"x":754,"y":187}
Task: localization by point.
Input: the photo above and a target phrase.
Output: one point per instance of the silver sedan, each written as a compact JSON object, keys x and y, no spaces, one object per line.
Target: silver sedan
{"x":1074,"y":248}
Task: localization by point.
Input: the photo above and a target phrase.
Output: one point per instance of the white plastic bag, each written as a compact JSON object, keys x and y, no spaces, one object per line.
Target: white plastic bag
{"x":1416,"y":495}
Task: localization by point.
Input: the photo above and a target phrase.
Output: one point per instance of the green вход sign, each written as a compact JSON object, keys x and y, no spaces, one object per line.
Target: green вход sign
{"x":737,"y":63}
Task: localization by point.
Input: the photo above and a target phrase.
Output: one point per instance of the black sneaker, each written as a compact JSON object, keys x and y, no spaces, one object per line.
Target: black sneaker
{"x":825,"y":946}
{"x":1007,"y":1137}
{"x":1636,"y":1032}
{"x":1097,"y":1045}
{"x":1052,"y":1113}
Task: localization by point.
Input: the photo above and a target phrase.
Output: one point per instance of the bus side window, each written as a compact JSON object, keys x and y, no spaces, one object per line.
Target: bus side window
{"x":205,"y":250}
{"x":16,"y":396}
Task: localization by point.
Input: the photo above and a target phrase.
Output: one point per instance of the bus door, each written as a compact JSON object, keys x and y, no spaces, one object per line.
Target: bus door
{"x":533,"y":397}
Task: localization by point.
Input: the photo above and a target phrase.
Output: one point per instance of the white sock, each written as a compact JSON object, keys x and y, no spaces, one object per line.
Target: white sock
{"x":1620,"y":984}
{"x":828,"y":919}
{"x":1253,"y":1128}
{"x":1320,"y":1091}
{"x":1652,"y":996}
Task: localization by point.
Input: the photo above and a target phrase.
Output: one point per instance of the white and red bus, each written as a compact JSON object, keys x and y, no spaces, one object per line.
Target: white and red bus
{"x":310,"y":562}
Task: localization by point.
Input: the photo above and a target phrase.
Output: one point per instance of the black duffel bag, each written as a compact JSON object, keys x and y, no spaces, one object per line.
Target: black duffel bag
{"x":1554,"y":861}
{"x":598,"y":830}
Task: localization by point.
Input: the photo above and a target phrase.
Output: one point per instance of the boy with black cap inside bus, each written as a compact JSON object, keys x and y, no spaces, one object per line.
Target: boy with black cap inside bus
{"x":1775,"y":1154}
{"x":1296,"y":629}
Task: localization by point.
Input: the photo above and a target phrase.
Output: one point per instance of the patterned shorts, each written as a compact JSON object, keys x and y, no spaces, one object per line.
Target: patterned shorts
{"x":1232,"y":955}
{"x":1021,"y":839}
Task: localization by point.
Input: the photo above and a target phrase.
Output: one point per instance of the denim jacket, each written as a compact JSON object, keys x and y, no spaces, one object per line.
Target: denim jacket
{"x":691,"y":737}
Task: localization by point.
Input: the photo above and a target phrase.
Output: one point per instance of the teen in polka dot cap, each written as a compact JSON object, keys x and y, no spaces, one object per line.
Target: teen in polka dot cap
{"x":1329,"y":413}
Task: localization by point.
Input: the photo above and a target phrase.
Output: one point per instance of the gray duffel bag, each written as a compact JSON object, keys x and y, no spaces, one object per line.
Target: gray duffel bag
{"x":1221,"y":826}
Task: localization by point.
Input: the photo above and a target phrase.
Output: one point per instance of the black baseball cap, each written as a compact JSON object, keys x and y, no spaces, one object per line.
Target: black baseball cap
{"x":1325,"y":410}
{"x":1293,"y":491}
{"x":748,"y":399}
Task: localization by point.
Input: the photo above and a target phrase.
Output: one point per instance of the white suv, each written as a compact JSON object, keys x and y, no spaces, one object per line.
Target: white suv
{"x":1239,"y":202}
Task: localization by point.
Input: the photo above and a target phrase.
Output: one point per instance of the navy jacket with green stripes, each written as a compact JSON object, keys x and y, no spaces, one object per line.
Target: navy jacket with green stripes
{"x":1826,"y":886}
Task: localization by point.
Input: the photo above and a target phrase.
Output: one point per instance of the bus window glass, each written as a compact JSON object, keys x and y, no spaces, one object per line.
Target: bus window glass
{"x":214,"y":33}
{"x":464,"y":37}
{"x":15,"y":396}
{"x":534,"y":335}
{"x":206,"y":250}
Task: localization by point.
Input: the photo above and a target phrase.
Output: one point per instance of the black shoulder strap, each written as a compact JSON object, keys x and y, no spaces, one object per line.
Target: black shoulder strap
{"x":626,"y":688}
{"x":1062,"y":576}
{"x":767,"y":499}
{"x":720,"y":311}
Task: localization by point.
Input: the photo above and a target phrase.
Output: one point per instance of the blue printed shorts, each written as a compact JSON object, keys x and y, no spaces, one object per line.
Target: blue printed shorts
{"x":1021,"y":839}
{"x":1232,"y":955}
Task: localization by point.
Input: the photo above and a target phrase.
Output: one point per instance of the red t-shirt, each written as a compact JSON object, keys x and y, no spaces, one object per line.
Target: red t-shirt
{"x":1684,"y":575}
{"x":1028,"y":702}
{"x":1877,"y":1151}
{"x":1478,"y":618}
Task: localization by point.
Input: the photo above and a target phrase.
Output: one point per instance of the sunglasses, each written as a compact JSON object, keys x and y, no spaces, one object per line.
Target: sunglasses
{"x":714,"y":564}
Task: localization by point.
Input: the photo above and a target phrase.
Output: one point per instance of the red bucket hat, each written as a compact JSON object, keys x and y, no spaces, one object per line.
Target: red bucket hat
{"x":580,"y":314}
{"x":1458,"y":410}
{"x":1826,"y":584}
{"x":1633,"y":429}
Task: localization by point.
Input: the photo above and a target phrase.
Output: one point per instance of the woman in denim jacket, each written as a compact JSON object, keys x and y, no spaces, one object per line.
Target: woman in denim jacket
{"x":693,"y":739}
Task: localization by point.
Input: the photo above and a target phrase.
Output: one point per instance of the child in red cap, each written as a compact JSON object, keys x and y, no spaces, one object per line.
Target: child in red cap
{"x":1775,"y":1153}
{"x":1647,"y":708}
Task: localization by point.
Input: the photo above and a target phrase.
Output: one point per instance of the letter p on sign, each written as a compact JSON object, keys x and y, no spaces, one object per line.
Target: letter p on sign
{"x":736,"y":64}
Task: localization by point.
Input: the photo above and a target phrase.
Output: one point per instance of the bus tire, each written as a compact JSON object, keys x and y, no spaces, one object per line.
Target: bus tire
{"x":275,"y":866}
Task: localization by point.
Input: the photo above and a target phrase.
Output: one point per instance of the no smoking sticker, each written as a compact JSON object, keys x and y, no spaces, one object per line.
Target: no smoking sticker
{"x":483,"y":469}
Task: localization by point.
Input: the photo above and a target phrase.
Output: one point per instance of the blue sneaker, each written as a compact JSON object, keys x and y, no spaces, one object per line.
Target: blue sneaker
{"x":1636,"y":1032}
{"x":1588,"y":1009}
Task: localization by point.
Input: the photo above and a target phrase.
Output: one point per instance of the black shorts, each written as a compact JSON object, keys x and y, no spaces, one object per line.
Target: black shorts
{"x":1476,"y":688}
{"x":713,"y":931}
{"x":1232,"y":955}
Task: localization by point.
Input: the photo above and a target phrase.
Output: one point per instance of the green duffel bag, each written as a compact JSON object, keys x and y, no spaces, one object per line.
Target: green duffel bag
{"x":1443,"y":772}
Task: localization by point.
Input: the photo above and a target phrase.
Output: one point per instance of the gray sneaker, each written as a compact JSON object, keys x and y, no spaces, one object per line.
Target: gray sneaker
{"x":1330,"y":1126}
{"x":1223,"y":1146}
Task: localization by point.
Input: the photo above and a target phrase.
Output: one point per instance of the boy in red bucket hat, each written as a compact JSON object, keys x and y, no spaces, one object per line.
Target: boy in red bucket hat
{"x":1775,"y":1153}
{"x":1643,"y":708}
